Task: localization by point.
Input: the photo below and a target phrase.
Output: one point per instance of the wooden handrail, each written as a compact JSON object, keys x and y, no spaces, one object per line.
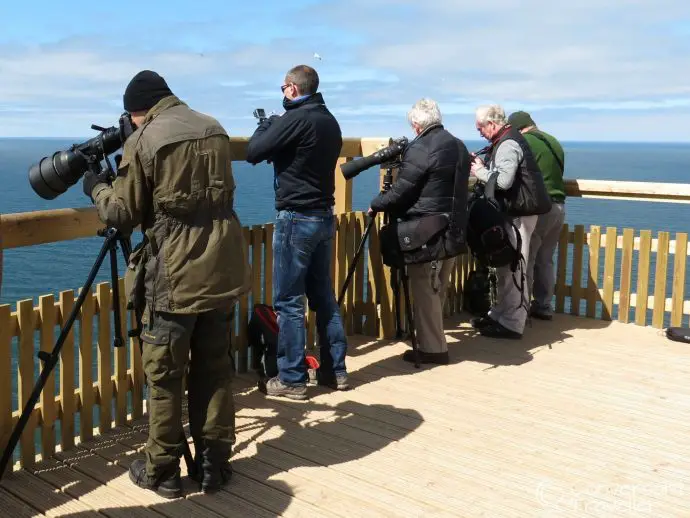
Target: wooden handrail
{"x":644,"y":191}
{"x":39,"y":227}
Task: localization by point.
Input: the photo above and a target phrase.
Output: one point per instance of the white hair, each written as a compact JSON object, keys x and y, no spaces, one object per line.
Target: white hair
{"x":425,"y":113}
{"x":491,"y":113}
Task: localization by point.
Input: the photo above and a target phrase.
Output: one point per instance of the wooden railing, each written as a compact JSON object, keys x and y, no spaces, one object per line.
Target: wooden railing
{"x":94,"y":396}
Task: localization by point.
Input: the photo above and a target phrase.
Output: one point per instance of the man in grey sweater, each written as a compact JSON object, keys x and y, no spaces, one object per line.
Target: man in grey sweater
{"x":509,"y":158}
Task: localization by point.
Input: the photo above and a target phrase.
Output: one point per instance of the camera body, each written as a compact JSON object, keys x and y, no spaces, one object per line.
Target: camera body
{"x":260,"y":114}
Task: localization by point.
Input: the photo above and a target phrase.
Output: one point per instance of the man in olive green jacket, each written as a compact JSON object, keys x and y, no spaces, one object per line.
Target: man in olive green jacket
{"x":550,"y":157}
{"x":175,"y":180}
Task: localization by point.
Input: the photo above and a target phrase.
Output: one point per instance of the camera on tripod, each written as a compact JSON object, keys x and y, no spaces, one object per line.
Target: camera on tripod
{"x":52,"y":176}
{"x":387,"y":154}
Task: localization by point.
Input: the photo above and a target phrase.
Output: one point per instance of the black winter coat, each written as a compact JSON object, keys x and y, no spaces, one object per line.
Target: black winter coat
{"x":426,"y":177}
{"x":304,"y":145}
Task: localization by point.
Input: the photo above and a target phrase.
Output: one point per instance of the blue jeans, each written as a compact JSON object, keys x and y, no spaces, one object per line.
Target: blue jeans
{"x":302,"y":247}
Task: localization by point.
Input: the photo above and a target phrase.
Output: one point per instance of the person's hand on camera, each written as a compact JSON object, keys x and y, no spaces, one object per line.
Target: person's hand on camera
{"x":370,"y":212}
{"x":477,"y":164}
{"x":90,"y":181}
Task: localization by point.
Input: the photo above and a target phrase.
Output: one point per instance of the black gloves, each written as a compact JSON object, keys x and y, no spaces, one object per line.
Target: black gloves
{"x":91,"y":180}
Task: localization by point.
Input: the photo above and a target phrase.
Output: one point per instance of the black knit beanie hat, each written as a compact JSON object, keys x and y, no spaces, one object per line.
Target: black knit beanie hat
{"x":144,"y":91}
{"x":520,"y":120}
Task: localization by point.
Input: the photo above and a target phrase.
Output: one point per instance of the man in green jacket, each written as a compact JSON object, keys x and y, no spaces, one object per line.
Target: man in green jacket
{"x":551,"y":160}
{"x":175,"y":180}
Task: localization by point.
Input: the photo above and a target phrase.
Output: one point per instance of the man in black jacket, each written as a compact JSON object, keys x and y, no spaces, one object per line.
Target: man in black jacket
{"x":304,"y":145}
{"x":431,"y":165}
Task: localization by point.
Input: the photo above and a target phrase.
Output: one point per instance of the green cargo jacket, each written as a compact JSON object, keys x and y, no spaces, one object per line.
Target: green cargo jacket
{"x":175,"y":180}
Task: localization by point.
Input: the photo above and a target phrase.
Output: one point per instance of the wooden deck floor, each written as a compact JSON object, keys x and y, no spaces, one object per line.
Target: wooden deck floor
{"x":580,"y":418}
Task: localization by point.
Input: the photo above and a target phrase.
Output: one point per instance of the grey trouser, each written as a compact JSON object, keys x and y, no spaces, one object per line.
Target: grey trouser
{"x":542,"y":247}
{"x":428,"y":286}
{"x":509,"y":310}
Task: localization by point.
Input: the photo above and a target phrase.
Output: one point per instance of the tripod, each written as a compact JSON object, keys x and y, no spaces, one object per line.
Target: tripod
{"x":398,"y":275}
{"x":113,"y":237}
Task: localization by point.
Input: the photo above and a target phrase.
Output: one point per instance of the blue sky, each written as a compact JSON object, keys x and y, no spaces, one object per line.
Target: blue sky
{"x":585,"y":70}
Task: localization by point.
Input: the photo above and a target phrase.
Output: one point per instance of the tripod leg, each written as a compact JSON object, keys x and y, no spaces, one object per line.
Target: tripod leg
{"x":355,"y":260}
{"x":410,"y":319}
{"x":50,"y":359}
{"x":114,"y":279}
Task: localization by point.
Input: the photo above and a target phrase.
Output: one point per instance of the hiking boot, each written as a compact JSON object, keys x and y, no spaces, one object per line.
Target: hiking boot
{"x":424,"y":357}
{"x":213,"y":469}
{"x":496,"y":330}
{"x":541,"y":315}
{"x":275,"y":387}
{"x":480,"y":322}
{"x":336,"y":382}
{"x":167,"y":485}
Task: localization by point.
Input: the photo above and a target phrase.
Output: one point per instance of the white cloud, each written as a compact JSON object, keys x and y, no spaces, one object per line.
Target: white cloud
{"x":561,"y":61}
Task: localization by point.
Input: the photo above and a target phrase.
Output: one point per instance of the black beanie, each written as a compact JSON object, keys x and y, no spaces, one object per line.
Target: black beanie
{"x":144,"y":91}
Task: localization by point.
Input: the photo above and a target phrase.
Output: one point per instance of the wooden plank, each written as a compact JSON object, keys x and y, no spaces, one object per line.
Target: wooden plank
{"x":626,"y":275}
{"x":578,"y":251}
{"x":38,"y":494}
{"x":343,"y":188}
{"x":560,"y":271}
{"x":14,"y":507}
{"x":5,"y":378}
{"x":86,"y":368}
{"x":593,"y":281}
{"x":257,"y":239}
{"x":679,"y":264}
{"x":243,"y":318}
{"x":350,"y":246}
{"x":25,"y":315}
{"x":268,"y":263}
{"x":372,"y":323}
{"x":121,"y":376}
{"x":46,"y":304}
{"x":105,"y":384}
{"x":67,"y":375}
{"x":358,"y":279}
{"x":660,"y":281}
{"x":643,"y":277}
{"x":623,"y":190}
{"x":609,"y":273}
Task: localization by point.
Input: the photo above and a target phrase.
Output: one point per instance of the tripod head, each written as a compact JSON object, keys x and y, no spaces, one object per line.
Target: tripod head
{"x":388,"y":176}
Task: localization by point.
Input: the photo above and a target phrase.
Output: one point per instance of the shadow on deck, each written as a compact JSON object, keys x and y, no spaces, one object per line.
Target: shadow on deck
{"x":580,"y":418}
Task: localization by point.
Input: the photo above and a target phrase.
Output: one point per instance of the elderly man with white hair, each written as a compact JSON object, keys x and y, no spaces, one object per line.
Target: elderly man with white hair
{"x":521,"y":190}
{"x":426,"y":185}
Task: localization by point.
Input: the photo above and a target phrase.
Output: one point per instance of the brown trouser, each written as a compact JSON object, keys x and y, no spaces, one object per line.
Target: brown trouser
{"x":428,"y":285}
{"x":168,"y":340}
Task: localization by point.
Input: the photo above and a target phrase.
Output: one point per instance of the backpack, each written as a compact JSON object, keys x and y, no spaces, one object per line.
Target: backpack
{"x":488,"y":225}
{"x":477,"y":292}
{"x":262,"y":338}
{"x":488,"y":235}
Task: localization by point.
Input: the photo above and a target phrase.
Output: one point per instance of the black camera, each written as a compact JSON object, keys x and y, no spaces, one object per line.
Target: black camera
{"x":260,"y":114}
{"x":52,"y":176}
{"x":387,"y":154}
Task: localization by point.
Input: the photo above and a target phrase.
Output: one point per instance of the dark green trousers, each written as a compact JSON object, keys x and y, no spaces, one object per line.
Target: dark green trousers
{"x":168,"y":339}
